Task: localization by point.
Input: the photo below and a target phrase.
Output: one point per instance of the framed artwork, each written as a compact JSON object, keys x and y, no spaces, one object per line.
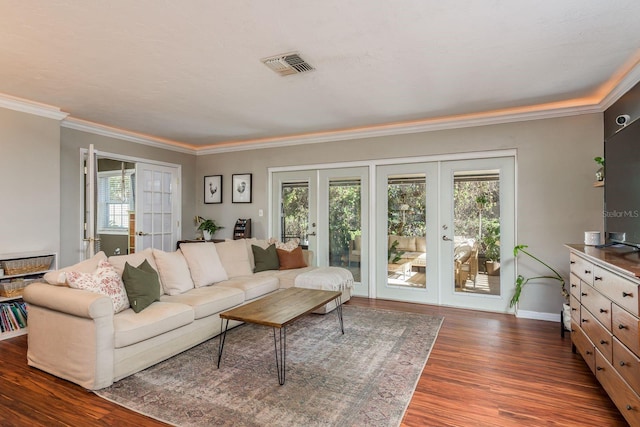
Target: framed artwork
{"x":213,"y":189}
{"x":241,"y":188}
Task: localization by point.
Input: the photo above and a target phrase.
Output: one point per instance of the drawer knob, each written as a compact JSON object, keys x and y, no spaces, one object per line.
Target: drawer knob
{"x":621,"y":326}
{"x":574,"y":309}
{"x":599,"y":368}
{"x":574,"y":286}
{"x":572,"y":262}
{"x":587,"y":272}
{"x":602,"y":310}
{"x":626,"y":294}
{"x":587,"y":352}
{"x":597,"y":278}
{"x":585,"y":321}
{"x":584,"y":294}
{"x":629,"y":407}
{"x":622,"y":363}
{"x":603,"y":342}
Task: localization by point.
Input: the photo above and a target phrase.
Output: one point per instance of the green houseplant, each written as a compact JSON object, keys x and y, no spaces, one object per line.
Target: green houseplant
{"x":491,"y":242}
{"x":521,"y":281}
{"x":208,"y":227}
{"x":600,"y":172}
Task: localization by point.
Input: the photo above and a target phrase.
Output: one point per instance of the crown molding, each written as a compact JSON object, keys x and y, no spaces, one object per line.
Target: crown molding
{"x":628,"y":81}
{"x":30,"y":107}
{"x":429,"y":125}
{"x":103,"y":130}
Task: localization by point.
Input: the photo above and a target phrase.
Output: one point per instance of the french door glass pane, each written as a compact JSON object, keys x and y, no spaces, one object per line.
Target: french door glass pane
{"x":295,"y":211}
{"x":406,"y":230}
{"x":477,"y":232}
{"x":345,"y":224}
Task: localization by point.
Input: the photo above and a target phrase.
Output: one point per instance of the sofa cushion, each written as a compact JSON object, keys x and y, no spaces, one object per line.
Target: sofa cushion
{"x":174,"y":271}
{"x":287,"y":277}
{"x":59,"y":277}
{"x":257,"y":242}
{"x":253,"y":286}
{"x":204,"y":263}
{"x":131,"y":327}
{"x":118,"y":261}
{"x":291,"y":259}
{"x":142,"y":285}
{"x":208,"y":300}
{"x":405,"y":243}
{"x":105,"y":280}
{"x":265,"y":259}
{"x":234,"y":257}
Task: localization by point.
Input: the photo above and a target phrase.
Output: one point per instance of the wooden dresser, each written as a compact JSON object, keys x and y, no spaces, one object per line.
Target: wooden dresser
{"x":605,"y":308}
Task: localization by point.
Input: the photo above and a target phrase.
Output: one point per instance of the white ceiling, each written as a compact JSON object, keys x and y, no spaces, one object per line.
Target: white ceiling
{"x":189,"y":71}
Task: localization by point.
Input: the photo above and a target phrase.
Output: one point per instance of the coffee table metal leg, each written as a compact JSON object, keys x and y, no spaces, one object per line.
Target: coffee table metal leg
{"x":338,"y":301}
{"x":223,"y":335}
{"x":281,"y":359}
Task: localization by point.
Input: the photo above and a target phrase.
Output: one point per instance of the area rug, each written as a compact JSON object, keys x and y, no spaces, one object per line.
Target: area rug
{"x":365,"y":377}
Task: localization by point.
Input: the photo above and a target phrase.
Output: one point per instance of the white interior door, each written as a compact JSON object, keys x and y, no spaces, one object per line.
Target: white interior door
{"x":477,"y":224}
{"x":157,"y":194}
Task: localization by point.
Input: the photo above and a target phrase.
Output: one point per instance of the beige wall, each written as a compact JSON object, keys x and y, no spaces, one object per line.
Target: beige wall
{"x":555,"y":172}
{"x":71,"y":142}
{"x":30,"y":183}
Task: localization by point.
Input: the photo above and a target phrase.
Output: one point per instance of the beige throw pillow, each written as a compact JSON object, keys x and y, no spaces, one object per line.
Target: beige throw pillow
{"x":204,"y":263}
{"x":235,"y":258}
{"x":254,"y":242}
{"x":118,"y":261}
{"x":174,"y":272}
{"x":59,"y":277}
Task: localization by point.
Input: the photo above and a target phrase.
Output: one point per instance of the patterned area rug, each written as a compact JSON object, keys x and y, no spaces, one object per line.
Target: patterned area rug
{"x":363,"y":378}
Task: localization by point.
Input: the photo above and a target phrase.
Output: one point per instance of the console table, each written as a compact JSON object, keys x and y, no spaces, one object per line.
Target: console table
{"x":605,"y":311}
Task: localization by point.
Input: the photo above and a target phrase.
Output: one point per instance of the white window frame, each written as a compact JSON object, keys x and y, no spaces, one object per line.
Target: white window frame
{"x":102,"y":204}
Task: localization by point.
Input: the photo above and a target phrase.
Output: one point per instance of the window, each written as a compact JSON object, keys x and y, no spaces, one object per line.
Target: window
{"x":115,"y":200}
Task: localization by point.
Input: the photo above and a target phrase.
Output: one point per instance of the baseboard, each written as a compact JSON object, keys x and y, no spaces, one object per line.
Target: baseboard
{"x":549,"y":317}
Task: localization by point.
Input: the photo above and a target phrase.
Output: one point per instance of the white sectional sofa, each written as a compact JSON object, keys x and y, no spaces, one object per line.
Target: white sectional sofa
{"x":76,"y":334}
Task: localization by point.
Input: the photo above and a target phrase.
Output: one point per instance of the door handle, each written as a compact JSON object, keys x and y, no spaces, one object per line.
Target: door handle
{"x":313,"y":233}
{"x":140,"y":233}
{"x":446,"y":239}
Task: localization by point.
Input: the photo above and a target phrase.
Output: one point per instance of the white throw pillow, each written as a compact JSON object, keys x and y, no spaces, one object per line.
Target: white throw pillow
{"x":58,"y":277}
{"x":235,"y":258}
{"x":135,"y":259}
{"x":204,"y":263}
{"x":105,"y":280}
{"x":288,"y":246}
{"x":174,"y":272}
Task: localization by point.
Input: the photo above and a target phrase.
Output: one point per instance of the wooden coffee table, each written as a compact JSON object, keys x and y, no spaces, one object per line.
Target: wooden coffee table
{"x":279,"y":310}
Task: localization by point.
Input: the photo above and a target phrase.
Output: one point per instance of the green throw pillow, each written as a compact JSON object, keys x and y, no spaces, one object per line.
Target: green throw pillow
{"x":142,"y":285}
{"x":266,"y":259}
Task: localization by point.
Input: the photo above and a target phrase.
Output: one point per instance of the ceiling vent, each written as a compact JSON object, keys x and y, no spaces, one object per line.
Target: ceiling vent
{"x":287,"y":64}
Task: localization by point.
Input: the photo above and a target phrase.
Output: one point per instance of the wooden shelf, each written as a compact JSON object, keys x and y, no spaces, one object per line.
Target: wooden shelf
{"x":598,"y":184}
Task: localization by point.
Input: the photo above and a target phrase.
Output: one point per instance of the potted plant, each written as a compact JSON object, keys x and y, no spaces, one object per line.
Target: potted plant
{"x":208,"y":227}
{"x":521,"y":281}
{"x":491,"y":241}
{"x":600,"y":172}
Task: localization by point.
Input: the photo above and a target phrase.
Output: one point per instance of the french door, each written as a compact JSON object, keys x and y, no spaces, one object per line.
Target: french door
{"x":442,"y":228}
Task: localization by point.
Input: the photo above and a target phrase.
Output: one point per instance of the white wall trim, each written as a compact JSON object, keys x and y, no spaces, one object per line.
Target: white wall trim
{"x":110,"y":132}
{"x":549,"y":317}
{"x":30,"y":107}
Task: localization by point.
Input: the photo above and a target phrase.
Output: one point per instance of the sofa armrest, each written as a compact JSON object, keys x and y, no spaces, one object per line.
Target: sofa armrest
{"x":76,"y":302}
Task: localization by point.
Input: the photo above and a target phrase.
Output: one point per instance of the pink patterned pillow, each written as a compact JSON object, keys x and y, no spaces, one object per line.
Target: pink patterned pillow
{"x":105,"y":280}
{"x":289,"y":246}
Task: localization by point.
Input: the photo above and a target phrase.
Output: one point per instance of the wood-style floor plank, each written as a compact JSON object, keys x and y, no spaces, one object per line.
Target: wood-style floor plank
{"x":485,"y":369}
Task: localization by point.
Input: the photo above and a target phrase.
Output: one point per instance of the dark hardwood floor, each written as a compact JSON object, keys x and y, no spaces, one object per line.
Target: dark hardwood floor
{"x":485,"y":369}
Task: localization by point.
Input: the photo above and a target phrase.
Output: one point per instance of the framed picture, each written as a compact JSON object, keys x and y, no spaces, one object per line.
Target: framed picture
{"x":241,"y":188}
{"x":213,"y":189}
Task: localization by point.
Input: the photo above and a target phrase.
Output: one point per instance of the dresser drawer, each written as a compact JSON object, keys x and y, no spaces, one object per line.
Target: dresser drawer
{"x":627,"y":364}
{"x":574,"y":285}
{"x":583,"y":346}
{"x":581,"y":268}
{"x":625,"y":327}
{"x":620,"y":290}
{"x":597,"y":304}
{"x":625,"y":399}
{"x":597,"y":333}
{"x":575,"y":309}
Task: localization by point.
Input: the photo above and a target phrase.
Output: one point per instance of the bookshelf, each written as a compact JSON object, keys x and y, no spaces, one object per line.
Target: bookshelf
{"x":18,"y":270}
{"x":242,"y":229}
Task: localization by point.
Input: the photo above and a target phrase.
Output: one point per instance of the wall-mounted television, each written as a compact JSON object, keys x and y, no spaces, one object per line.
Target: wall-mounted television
{"x":622,"y":186}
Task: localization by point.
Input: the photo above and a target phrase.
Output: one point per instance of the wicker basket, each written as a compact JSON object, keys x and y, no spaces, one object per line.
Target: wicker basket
{"x":27,"y":265}
{"x":13,"y":289}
